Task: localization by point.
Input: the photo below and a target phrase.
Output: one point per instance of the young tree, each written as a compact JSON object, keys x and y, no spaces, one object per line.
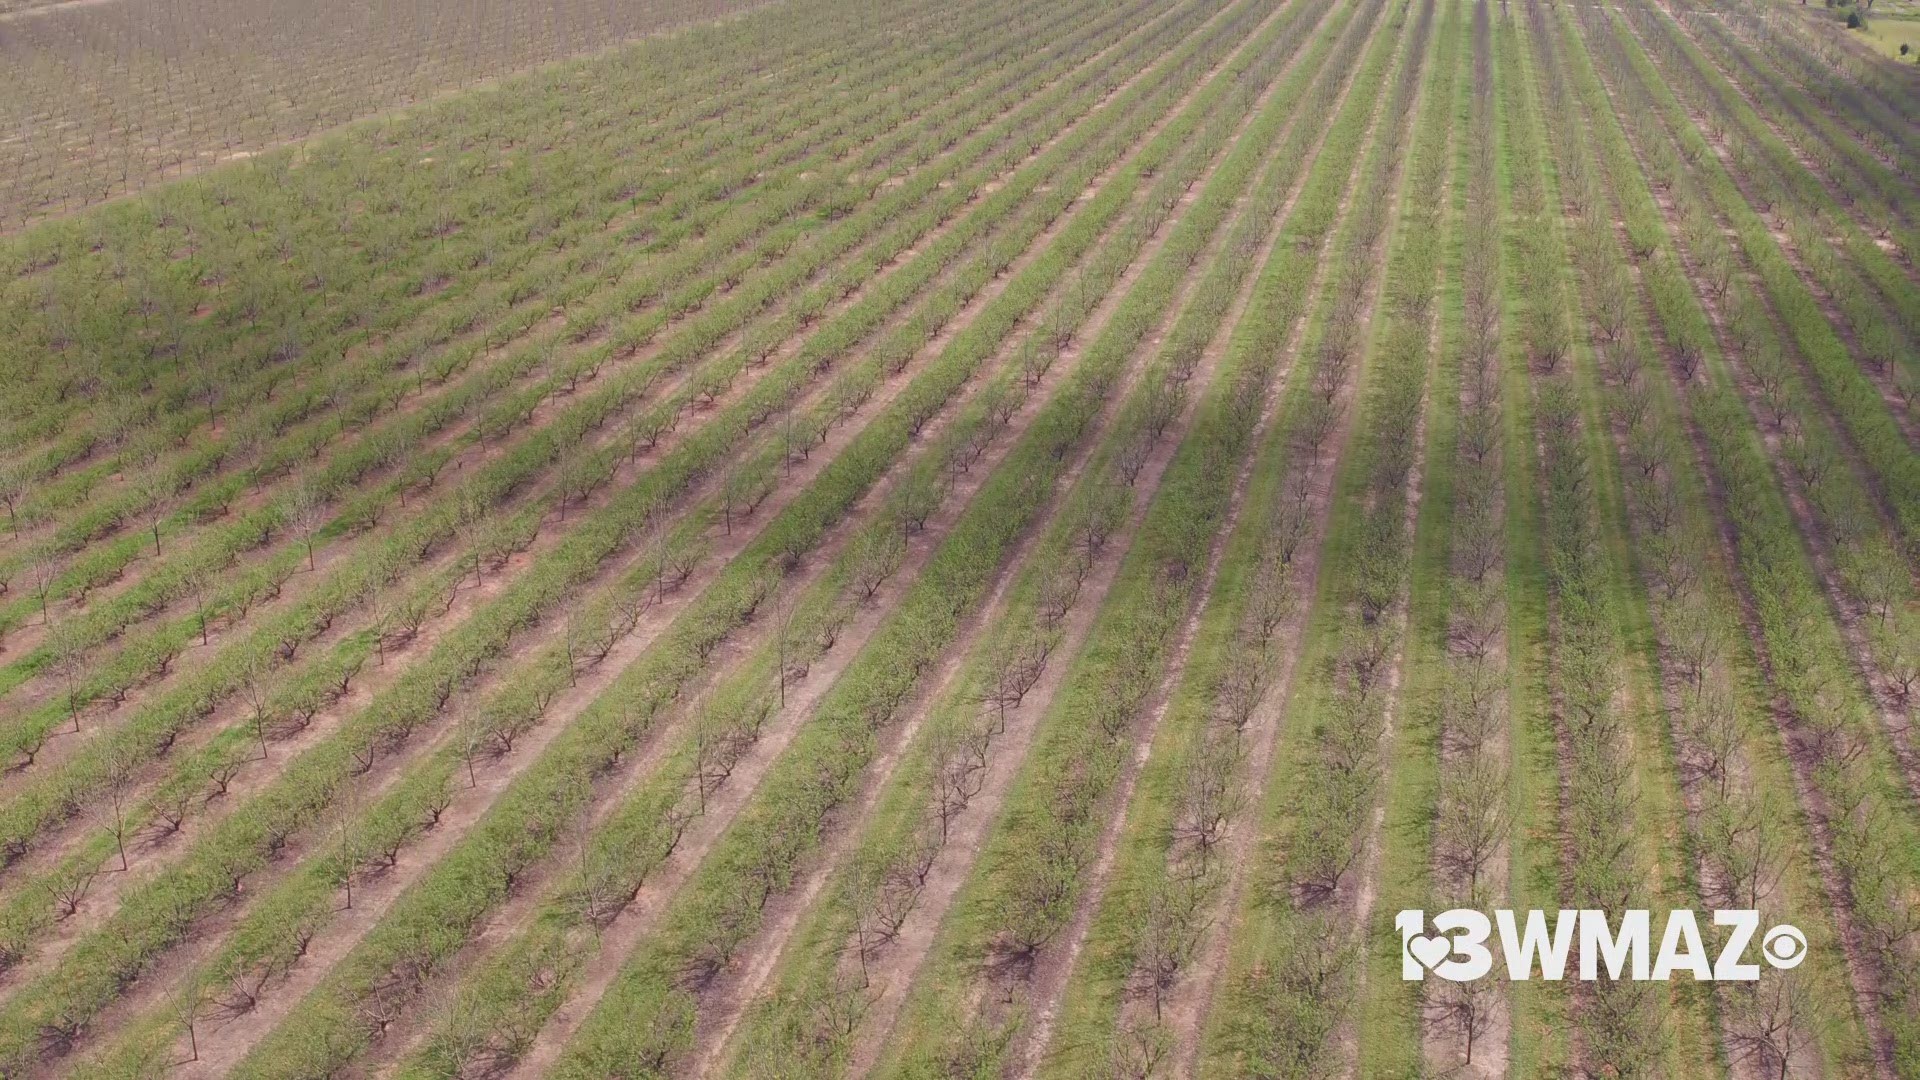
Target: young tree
{"x":1773,"y":1022}
{"x":111,"y":811}
{"x":1141,"y":1048}
{"x":1243,"y":683}
{"x":717,"y":748}
{"x":880,"y":906}
{"x":188,"y":1008}
{"x":915,"y":501}
{"x":959,"y":760}
{"x":68,"y":889}
{"x":1713,"y":738}
{"x":70,"y":663}
{"x":745,"y":488}
{"x":877,"y":555}
{"x":470,"y":734}
{"x":306,"y":512}
{"x":43,"y":569}
{"x":470,"y":519}
{"x":595,"y":891}
{"x":577,"y":642}
{"x":1209,"y":798}
{"x":199,"y":586}
{"x":1698,"y":640}
{"x":785,"y":610}
{"x":1878,"y":576}
{"x":154,"y":490}
{"x":13,"y":487}
{"x":1095,"y":518}
{"x":347,"y":848}
{"x":1552,"y":339}
{"x":1473,"y":822}
{"x":1745,"y":842}
{"x":1467,"y":1009}
{"x":1036,"y":358}
{"x":256,"y":692}
{"x":398,"y":617}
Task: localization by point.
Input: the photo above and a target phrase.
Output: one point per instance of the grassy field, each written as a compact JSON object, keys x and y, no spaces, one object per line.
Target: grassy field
{"x":1886,"y":26}
{"x":951,"y":539}
{"x":1889,"y":32}
{"x":106,"y":99}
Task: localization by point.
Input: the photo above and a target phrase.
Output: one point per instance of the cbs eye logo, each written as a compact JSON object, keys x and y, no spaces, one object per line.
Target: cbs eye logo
{"x":1784,"y":947}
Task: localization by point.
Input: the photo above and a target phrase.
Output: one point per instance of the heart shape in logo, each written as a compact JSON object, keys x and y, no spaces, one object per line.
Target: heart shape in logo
{"x":1430,"y":951}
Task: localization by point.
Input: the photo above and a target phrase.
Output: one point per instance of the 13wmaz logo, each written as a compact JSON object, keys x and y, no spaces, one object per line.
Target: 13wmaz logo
{"x":1457,"y":948}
